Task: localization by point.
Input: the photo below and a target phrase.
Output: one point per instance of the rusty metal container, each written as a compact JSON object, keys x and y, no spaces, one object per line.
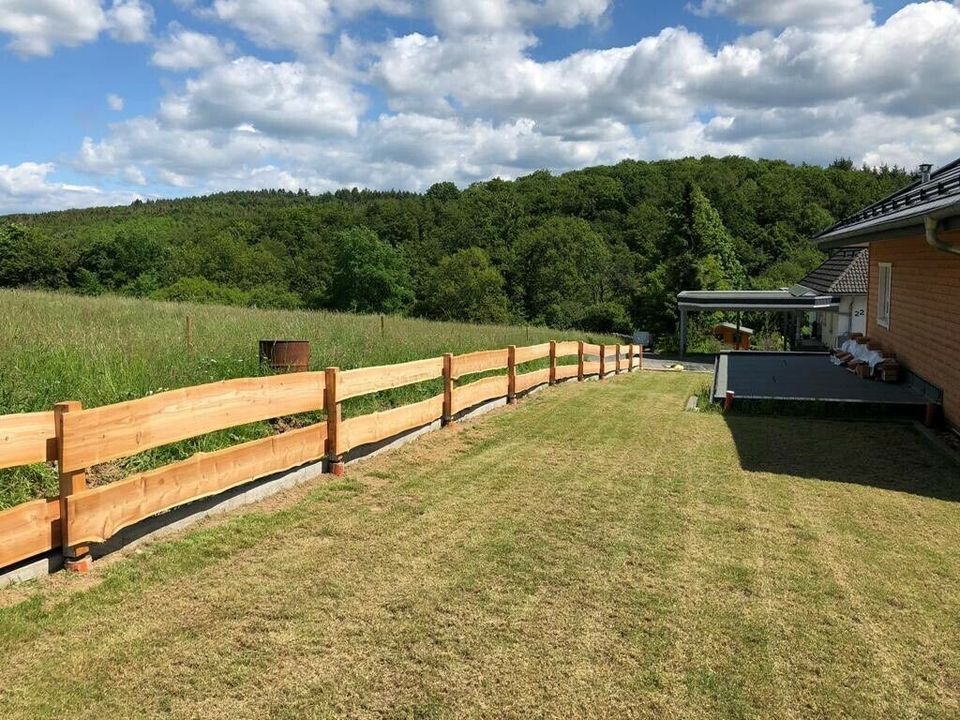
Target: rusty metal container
{"x":285,"y":356}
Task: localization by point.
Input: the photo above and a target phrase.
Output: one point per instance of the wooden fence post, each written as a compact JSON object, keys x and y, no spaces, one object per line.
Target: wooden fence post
{"x":603,"y":360}
{"x":617,"y":366}
{"x":640,"y":366}
{"x":76,"y":558}
{"x":579,"y":361}
{"x":512,"y":374}
{"x":553,"y":362}
{"x":630,"y":358}
{"x":332,"y":407}
{"x":447,"y":389}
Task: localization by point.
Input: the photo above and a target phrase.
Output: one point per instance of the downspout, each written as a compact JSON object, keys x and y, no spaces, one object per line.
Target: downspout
{"x":932,"y":226}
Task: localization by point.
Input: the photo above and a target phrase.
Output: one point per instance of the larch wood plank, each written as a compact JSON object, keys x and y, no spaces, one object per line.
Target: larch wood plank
{"x":97,"y":514}
{"x":477,"y":362}
{"x":98,"y":435}
{"x":382,"y":425}
{"x":532,"y":379}
{"x":27,"y":438}
{"x":570,"y":347}
{"x":565,"y":372}
{"x":363,"y":381}
{"x":29,"y":529}
{"x":591,"y":368}
{"x":479,"y":391}
{"x":532,"y":352}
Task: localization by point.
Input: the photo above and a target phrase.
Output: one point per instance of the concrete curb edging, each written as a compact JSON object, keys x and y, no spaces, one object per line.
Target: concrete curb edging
{"x":183,"y":516}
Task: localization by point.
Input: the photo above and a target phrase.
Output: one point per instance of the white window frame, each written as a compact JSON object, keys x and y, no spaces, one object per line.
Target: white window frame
{"x":884,"y":293}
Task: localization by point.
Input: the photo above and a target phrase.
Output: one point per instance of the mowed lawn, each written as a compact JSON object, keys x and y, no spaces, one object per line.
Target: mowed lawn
{"x":594,"y":552}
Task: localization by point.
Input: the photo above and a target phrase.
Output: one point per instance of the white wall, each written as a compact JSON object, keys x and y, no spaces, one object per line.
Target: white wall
{"x":859,"y":318}
{"x":852,"y":317}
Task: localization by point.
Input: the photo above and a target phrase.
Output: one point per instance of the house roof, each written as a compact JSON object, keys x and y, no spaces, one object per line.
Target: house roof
{"x":844,"y":273}
{"x":902,"y":211}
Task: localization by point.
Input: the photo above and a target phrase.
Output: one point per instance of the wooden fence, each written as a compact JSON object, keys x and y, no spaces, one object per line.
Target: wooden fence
{"x":76,"y":438}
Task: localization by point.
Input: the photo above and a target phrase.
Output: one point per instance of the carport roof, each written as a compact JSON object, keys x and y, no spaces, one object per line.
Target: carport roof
{"x":777,"y":300}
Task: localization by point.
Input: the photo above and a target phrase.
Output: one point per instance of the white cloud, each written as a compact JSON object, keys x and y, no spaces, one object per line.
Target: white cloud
{"x":289,"y":98}
{"x":37,"y":27}
{"x":297,"y":24}
{"x":480,"y":16}
{"x":790,"y":13}
{"x":26,"y":188}
{"x":185,"y":49}
{"x":897,"y":66}
{"x":300,"y":24}
{"x":129,"y":20}
{"x":133,"y":175}
{"x":472,"y":102}
{"x":114,"y":102}
{"x":644,"y":83}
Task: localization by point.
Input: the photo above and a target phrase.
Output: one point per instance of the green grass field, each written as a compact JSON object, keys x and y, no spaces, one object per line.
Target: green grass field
{"x":595,"y":552}
{"x":103,"y":350}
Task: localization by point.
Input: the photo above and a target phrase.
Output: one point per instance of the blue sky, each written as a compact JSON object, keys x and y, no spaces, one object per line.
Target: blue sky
{"x":110,"y":100}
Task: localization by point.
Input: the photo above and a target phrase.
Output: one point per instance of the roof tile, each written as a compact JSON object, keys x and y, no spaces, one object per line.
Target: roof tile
{"x":844,"y":273}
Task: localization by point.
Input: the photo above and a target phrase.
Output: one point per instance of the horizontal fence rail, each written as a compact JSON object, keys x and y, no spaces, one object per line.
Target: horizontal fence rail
{"x":364,"y":381}
{"x":478,"y":362}
{"x":97,"y":514}
{"x":110,"y":432}
{"x":29,"y":529}
{"x":27,"y":438}
{"x":77,"y":439}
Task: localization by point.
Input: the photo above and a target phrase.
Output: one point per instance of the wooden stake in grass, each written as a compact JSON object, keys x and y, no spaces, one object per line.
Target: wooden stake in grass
{"x":332,"y":407}
{"x":603,"y":360}
{"x":553,"y":362}
{"x":382,"y":325}
{"x":579,"y":360}
{"x":447,"y":417}
{"x":76,"y":558}
{"x":630,"y":352}
{"x":512,"y":374}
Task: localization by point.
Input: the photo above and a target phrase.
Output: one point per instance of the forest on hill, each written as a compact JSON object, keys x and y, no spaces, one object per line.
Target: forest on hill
{"x":600,"y":249}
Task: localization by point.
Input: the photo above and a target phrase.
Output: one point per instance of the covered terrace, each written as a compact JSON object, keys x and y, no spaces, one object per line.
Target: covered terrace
{"x":792,"y":301}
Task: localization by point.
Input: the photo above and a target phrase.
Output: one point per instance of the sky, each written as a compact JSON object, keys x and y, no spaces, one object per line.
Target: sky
{"x":107,"y":101}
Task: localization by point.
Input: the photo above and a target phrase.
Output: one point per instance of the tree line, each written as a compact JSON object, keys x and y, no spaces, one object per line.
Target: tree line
{"x":603,"y":249}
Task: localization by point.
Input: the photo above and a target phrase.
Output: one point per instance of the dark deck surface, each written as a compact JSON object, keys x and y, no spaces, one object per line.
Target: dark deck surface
{"x":802,"y":376}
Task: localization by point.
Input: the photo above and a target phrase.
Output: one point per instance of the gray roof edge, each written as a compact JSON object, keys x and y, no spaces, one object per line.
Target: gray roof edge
{"x":868,"y":231}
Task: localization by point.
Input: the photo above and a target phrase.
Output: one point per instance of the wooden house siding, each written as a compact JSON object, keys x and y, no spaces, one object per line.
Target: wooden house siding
{"x":924,"y":327}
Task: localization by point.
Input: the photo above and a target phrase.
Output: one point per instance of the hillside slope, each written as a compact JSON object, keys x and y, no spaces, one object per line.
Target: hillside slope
{"x":604,"y":248}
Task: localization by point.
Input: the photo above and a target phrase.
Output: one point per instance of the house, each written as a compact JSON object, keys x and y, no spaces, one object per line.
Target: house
{"x":913,"y":300}
{"x":733,"y":336}
{"x":844,"y":275}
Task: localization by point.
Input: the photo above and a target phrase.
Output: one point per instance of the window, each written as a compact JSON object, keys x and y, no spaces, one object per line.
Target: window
{"x":884,"y":284}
